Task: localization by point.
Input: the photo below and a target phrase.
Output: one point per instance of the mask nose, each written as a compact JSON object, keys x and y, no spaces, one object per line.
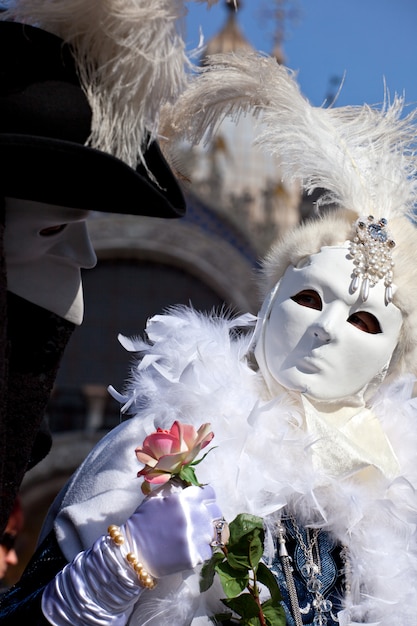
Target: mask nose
{"x":321,"y":333}
{"x":326,"y":325}
{"x":76,"y":246}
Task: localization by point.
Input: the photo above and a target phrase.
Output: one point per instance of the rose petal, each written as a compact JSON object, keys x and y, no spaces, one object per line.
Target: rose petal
{"x":144,"y":458}
{"x":171,"y":462}
{"x":204,"y":435}
{"x":177,"y":430}
{"x":189,"y":436}
{"x":159,"y":444}
{"x":164,"y":443}
{"x":157,"y":479}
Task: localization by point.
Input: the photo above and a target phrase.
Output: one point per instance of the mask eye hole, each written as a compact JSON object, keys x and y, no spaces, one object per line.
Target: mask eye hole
{"x":366,"y":322}
{"x":52,"y":230}
{"x":308,"y":298}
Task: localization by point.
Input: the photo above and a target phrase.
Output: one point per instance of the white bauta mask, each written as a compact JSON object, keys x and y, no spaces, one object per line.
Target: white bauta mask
{"x":317,"y":337}
{"x":45,"y":248}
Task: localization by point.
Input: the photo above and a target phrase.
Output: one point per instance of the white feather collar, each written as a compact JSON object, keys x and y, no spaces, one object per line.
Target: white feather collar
{"x":193,"y":371}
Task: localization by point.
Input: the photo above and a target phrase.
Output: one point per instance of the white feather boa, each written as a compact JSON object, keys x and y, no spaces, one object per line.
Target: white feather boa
{"x":192,"y":370}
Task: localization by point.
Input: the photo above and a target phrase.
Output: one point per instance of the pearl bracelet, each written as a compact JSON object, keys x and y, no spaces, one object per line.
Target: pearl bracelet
{"x":145,"y":579}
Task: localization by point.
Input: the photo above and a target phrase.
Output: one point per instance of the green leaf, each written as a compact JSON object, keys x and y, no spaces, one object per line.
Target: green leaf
{"x":236,"y":568}
{"x":208,"y":571}
{"x":266,"y":577}
{"x":243,"y":605}
{"x":243,"y":524}
{"x":187,"y":473}
{"x":198,"y":461}
{"x":274,"y":615}
{"x":233,"y":583}
{"x":246,"y":544}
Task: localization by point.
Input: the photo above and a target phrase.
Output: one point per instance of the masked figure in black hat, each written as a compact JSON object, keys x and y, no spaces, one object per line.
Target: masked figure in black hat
{"x":81,"y":85}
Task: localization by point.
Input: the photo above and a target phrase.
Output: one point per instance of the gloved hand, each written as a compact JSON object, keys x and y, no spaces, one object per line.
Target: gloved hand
{"x":172,"y":533}
{"x":168,"y":534}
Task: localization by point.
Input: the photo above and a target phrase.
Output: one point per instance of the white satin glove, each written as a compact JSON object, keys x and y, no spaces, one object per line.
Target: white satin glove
{"x":168,"y":534}
{"x":172,"y":533}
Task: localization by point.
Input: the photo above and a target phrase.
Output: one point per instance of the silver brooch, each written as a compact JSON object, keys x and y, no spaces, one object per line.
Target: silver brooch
{"x":371,"y":253}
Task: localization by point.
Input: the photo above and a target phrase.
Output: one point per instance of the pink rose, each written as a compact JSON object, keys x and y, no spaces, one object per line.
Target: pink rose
{"x":167,"y":453}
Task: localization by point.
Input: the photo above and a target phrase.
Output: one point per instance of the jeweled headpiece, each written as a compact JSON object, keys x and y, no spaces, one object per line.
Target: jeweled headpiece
{"x":371,"y":253}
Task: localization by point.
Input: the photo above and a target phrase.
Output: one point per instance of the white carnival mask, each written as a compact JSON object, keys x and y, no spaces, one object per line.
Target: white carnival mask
{"x":320,"y":337}
{"x":45,"y":248}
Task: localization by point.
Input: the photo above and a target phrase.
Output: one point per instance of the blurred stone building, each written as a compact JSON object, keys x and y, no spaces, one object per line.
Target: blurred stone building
{"x":237,"y":206}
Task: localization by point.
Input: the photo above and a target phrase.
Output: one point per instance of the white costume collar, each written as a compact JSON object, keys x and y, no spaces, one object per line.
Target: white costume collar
{"x":348,"y":442}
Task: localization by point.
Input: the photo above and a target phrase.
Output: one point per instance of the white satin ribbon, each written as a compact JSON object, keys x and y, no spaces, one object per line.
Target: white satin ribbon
{"x":349,"y":440}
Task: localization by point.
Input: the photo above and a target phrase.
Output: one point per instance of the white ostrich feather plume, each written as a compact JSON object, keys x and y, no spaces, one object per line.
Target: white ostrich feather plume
{"x":130,"y":56}
{"x":363,"y":156}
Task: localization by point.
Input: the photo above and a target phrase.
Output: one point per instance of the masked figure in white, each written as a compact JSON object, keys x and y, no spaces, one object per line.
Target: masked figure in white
{"x":312,"y":408}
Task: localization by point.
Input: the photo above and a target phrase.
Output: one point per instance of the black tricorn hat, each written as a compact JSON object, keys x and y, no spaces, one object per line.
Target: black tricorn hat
{"x":45,"y":122}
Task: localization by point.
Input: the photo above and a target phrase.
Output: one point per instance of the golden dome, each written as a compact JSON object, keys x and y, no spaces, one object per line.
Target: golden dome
{"x":230,"y":38}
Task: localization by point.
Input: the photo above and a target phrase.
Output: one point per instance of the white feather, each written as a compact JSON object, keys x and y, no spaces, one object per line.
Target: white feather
{"x":131,"y":60}
{"x":364,"y":156}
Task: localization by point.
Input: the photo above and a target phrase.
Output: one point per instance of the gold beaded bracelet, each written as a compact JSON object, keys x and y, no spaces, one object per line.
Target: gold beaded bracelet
{"x":145,"y":579}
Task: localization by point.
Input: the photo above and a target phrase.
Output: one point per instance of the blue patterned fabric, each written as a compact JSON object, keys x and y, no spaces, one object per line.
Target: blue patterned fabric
{"x":329,"y":576}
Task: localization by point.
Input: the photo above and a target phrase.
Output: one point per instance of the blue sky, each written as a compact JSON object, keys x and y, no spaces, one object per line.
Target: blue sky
{"x":363,"y":40}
